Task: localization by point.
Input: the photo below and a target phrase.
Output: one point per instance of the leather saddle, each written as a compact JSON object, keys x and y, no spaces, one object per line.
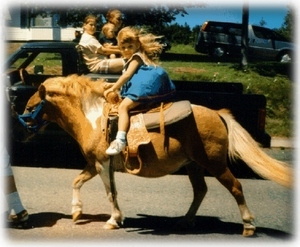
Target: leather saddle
{"x":141,"y":122}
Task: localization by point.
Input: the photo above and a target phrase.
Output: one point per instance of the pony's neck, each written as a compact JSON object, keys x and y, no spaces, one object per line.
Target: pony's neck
{"x":82,"y":120}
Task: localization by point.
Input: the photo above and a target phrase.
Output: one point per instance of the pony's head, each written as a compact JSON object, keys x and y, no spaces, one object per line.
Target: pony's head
{"x":56,"y":96}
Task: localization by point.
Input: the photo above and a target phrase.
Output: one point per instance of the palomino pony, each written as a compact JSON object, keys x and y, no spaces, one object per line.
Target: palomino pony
{"x":206,"y":137}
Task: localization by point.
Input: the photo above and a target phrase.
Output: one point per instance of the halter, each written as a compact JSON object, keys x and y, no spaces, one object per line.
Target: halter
{"x":34,"y":115}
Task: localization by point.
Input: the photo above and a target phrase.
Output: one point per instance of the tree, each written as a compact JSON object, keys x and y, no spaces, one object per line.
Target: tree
{"x":154,"y":16}
{"x":287,"y":28}
{"x":262,"y":22}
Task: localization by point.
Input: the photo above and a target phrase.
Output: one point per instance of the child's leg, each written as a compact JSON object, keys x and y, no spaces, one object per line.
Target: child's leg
{"x":123,"y":110}
{"x":111,"y":65}
{"x":116,"y":65}
{"x":123,"y":126}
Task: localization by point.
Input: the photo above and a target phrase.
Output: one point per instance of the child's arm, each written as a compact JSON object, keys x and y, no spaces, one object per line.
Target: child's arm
{"x":133,"y":66}
{"x":107,"y":50}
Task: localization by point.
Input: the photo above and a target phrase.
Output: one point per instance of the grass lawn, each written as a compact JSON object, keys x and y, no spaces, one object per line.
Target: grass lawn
{"x":272,"y":79}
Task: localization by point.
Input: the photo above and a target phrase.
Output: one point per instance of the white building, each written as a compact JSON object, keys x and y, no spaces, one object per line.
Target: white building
{"x":18,"y":26}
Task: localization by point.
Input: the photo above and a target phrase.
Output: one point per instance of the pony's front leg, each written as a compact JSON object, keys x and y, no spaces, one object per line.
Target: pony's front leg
{"x":116,"y":219}
{"x":88,"y":173}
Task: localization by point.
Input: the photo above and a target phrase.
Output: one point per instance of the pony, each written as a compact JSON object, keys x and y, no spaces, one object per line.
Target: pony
{"x":207,"y":137}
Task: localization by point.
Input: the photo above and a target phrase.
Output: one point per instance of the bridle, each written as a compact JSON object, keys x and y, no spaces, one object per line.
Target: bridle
{"x":33,"y":121}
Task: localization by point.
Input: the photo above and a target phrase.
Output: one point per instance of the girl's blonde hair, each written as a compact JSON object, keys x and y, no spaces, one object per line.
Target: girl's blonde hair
{"x":150,"y":47}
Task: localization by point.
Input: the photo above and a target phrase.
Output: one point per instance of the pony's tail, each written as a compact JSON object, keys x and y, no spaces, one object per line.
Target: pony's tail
{"x":242,"y":146}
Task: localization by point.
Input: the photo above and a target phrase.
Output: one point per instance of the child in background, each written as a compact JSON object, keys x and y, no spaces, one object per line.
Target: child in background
{"x":114,"y":16}
{"x":109,"y":39}
{"x":142,"y":81}
{"x":95,"y":54}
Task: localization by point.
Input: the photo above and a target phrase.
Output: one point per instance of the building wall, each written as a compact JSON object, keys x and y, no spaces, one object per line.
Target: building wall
{"x":38,"y":29}
{"x":26,"y":34}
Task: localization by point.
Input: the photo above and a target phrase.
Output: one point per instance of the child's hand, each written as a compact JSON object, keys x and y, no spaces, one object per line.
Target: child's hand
{"x":108,"y":85}
{"x":107,"y":92}
{"x":111,"y":96}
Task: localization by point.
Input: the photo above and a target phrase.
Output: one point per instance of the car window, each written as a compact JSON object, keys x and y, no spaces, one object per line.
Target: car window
{"x":217,"y":29}
{"x":262,"y":33}
{"x":278,"y":36}
{"x":235,"y":31}
{"x":47,"y":63}
{"x":19,"y":61}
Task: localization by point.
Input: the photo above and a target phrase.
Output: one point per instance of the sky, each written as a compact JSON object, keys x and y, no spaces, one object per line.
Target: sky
{"x":272,"y":11}
{"x":272,"y":15}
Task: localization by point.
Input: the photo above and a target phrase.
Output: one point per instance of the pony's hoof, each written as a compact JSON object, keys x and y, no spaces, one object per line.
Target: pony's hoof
{"x":109,"y":226}
{"x":248,"y":232}
{"x":76,"y":216}
{"x":249,"y":229}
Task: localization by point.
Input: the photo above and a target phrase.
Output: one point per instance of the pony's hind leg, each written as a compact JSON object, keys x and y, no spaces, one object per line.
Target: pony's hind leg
{"x":88,"y":173}
{"x":235,"y":188}
{"x":196,"y":176}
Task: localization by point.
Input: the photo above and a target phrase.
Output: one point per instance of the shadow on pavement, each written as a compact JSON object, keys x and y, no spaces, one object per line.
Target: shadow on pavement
{"x":49,"y":219}
{"x":160,"y":225}
{"x":157,"y":225}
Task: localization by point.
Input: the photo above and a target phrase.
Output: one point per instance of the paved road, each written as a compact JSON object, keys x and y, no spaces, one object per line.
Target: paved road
{"x":151,"y":208}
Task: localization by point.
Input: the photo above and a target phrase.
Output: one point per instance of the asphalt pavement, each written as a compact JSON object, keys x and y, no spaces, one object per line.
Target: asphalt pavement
{"x":151,"y":207}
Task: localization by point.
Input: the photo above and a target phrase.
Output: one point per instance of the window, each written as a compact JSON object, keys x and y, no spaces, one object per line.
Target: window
{"x":47,"y":63}
{"x":235,"y":31}
{"x":51,"y":63}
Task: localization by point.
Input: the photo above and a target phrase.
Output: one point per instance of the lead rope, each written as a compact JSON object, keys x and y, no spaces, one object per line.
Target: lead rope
{"x":113,"y":128}
{"x":162,"y":119}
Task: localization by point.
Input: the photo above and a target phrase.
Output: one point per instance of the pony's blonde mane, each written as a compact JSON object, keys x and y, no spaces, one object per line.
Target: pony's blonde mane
{"x":74,"y":85}
{"x":87,"y":93}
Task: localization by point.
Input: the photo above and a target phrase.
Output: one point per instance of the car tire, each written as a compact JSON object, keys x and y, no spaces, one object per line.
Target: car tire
{"x":285,"y":57}
{"x":217,"y":52}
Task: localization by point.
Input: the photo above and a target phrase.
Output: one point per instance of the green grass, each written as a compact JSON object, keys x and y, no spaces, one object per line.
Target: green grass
{"x":272,"y":79}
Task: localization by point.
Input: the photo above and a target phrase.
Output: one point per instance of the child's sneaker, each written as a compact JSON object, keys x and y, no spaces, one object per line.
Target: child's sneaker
{"x":115,"y":147}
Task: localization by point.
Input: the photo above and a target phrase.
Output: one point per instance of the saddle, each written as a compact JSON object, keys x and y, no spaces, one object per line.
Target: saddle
{"x":143,"y":120}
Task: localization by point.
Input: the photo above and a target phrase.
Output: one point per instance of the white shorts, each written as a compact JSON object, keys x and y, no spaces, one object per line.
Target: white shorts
{"x":104,"y":65}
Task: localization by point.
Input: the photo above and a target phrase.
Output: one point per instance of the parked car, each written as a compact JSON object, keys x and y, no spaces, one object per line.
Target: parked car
{"x":224,"y":38}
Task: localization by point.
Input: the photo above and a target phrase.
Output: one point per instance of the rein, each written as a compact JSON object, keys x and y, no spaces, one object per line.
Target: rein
{"x":26,"y":119}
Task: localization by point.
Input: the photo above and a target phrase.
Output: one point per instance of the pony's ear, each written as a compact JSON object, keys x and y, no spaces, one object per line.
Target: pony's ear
{"x":42,"y":91}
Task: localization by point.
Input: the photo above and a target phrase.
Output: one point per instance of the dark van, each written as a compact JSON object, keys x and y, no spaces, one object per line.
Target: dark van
{"x":224,"y":38}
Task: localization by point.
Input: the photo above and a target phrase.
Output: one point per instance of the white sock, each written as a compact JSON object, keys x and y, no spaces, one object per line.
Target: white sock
{"x":14,"y":203}
{"x":121,"y":135}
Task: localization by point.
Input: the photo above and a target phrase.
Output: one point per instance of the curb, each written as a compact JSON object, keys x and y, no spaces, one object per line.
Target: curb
{"x":282,"y":142}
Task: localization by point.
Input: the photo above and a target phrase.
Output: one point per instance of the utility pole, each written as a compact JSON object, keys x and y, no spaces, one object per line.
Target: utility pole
{"x":244,"y":41}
